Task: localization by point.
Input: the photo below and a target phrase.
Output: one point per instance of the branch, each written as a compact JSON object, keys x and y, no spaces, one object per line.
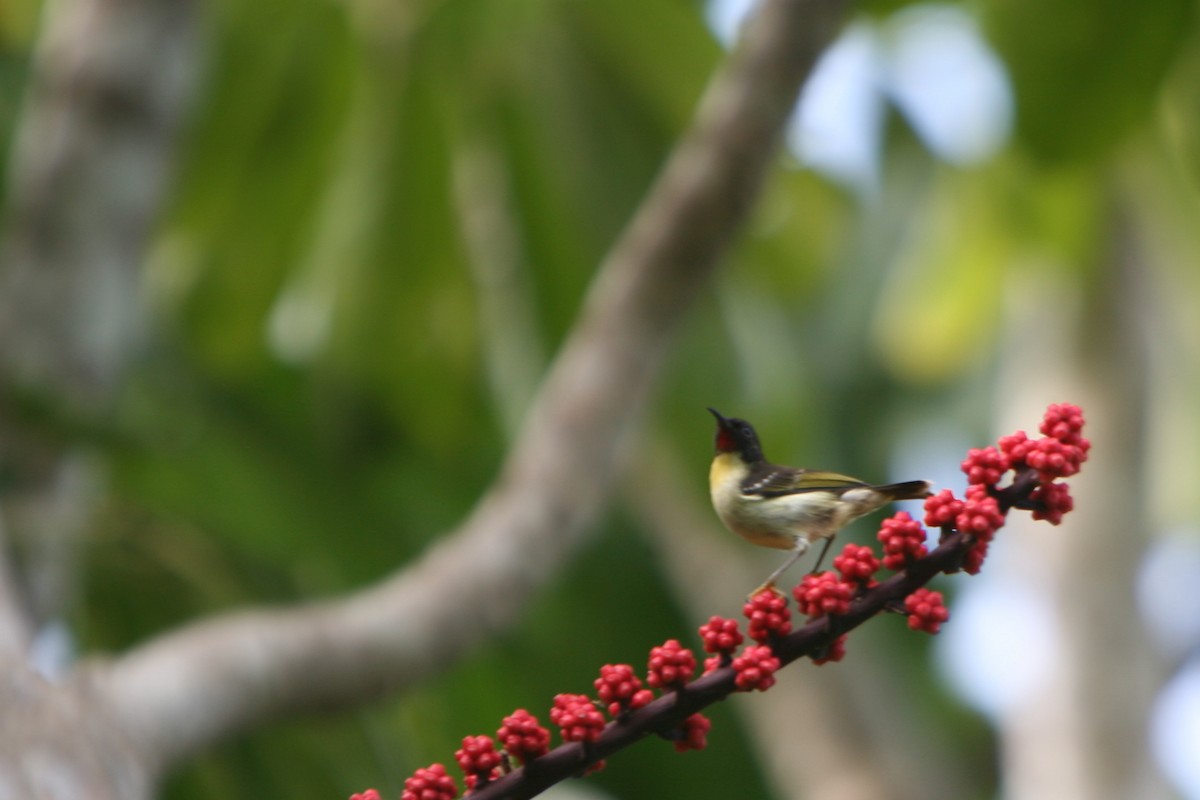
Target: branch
{"x":665,"y":714}
{"x":178,"y":693}
{"x":967,"y":527}
{"x":860,"y":755}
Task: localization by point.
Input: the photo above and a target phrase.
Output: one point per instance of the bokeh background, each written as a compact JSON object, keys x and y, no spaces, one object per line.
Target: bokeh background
{"x":367,"y":225}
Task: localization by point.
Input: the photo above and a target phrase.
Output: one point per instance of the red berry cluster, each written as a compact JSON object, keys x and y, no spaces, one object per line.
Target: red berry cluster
{"x":834,"y":651}
{"x":621,"y":689}
{"x":478,"y":760}
{"x":981,"y":517}
{"x":721,"y":636}
{"x":769,"y":616}
{"x":522,"y":737}
{"x":926,"y":611}
{"x":1037,"y":466}
{"x":822,"y":593}
{"x":857,"y":564}
{"x":1052,"y":501}
{"x":985,"y":465}
{"x":755,"y":668}
{"x":942,"y":509}
{"x":429,"y":783}
{"x":577,"y":718}
{"x":903,"y":540}
{"x":693,"y":734}
{"x":1059,"y":453}
{"x":671,"y":665}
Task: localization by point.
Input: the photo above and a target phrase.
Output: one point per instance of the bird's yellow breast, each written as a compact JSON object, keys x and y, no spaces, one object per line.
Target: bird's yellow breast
{"x":727,"y":470}
{"x":747,"y":516}
{"x":778,"y":521}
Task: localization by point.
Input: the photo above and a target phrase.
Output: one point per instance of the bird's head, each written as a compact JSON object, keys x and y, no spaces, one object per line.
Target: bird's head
{"x":737,"y":436}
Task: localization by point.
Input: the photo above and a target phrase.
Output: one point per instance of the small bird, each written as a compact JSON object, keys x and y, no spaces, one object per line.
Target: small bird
{"x":787,"y":507}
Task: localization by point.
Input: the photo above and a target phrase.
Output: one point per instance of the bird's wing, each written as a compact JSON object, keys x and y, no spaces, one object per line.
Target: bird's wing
{"x":774,"y":481}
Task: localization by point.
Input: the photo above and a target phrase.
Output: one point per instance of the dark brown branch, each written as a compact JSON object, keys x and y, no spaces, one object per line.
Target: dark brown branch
{"x":666,"y":713}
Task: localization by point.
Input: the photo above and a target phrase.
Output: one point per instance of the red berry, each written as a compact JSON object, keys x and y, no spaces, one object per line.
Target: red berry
{"x":369,"y":794}
{"x":755,"y":668}
{"x":693,"y":733}
{"x":577,"y":718}
{"x":942,"y":509}
{"x":985,"y":465}
{"x":822,"y":593}
{"x":670,"y":665}
{"x":1054,"y":499}
{"x":721,"y":636}
{"x":478,"y":760}
{"x":522,"y":737}
{"x":836,"y":651}
{"x":981,"y":515}
{"x":430,"y":783}
{"x":926,"y":611}
{"x":903,"y":540}
{"x":973,"y":558}
{"x":1063,"y":421}
{"x":1054,"y":459}
{"x":768,"y":614}
{"x":621,"y":689}
{"x":1015,"y":447}
{"x":857,"y":563}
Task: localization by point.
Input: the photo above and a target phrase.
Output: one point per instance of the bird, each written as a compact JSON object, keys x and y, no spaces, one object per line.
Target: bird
{"x":788,"y":508}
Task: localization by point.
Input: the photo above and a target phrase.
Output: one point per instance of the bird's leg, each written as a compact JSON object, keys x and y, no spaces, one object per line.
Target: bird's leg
{"x":769,"y":583}
{"x":820,"y":558}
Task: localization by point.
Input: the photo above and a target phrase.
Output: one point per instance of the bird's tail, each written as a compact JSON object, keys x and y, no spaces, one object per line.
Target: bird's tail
{"x":908,"y":490}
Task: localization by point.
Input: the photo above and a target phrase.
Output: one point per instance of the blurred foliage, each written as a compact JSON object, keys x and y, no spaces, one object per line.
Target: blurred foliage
{"x":1086,"y":72}
{"x":317,"y":404}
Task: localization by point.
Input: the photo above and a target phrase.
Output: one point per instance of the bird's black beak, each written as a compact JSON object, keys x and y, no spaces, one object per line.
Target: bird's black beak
{"x":726,"y":441}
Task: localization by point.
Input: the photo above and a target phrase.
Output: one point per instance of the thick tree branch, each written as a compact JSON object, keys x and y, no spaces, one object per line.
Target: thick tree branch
{"x":179,"y":692}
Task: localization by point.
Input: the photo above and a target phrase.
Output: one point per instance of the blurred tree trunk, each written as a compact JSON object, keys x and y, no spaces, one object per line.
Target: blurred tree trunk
{"x":111,"y":86}
{"x":1070,"y":736}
